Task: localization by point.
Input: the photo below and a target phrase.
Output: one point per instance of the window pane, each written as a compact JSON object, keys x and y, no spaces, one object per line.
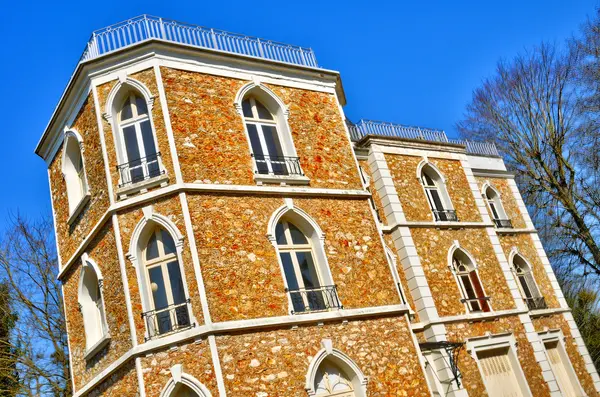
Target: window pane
{"x":157,"y":286}
{"x":168,"y":243}
{"x":307,"y":269}
{"x":126,"y":111}
{"x":148,"y":139}
{"x":254,"y":141}
{"x":523,"y":282}
{"x":288,"y":270}
{"x":427,"y":180}
{"x":131,"y":143}
{"x":140,"y":103}
{"x":152,"y":248}
{"x":176,"y":282}
{"x":272,"y":140}
{"x":466,"y":282}
{"x":494,"y":212}
{"x":297,"y":236}
{"x":479,"y":290}
{"x":263,"y":113}
{"x":279,"y":234}
{"x":246,"y":108}
{"x":436,"y":200}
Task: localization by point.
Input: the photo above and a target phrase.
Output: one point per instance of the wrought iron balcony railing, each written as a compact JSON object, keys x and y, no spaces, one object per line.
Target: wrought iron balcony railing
{"x":146,"y":27}
{"x":167,"y":319}
{"x":382,"y":128}
{"x":445,"y":215}
{"x":503,"y":223}
{"x":308,"y":300}
{"x":277,"y":165}
{"x":140,"y":169}
{"x":477,"y":304}
{"x":537,"y":303}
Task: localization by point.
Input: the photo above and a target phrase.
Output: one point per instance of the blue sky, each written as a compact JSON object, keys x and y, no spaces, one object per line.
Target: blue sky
{"x":408,"y":62}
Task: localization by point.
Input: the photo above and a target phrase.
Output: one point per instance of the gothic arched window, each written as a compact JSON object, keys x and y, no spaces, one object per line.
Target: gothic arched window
{"x":437,"y":195}
{"x":164,"y":277}
{"x":74,"y":172}
{"x":496,"y":208}
{"x":92,"y":305}
{"x":139,"y":155}
{"x":331,"y":380}
{"x":527,"y":285}
{"x":470,"y":284}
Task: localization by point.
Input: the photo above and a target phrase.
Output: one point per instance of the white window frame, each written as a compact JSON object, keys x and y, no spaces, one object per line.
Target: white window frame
{"x":494,"y":202}
{"x":439,"y":185}
{"x":557,"y":336}
{"x":93,"y":347}
{"x":527,"y":274}
{"x":180,"y":378}
{"x":499,"y":341}
{"x":473,"y":266}
{"x":73,"y":177}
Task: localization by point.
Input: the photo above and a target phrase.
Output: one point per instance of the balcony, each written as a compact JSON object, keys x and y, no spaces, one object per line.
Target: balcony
{"x":146,"y":28}
{"x":140,"y":170}
{"x":445,"y":215}
{"x":538,"y":303}
{"x":167,"y":320}
{"x":503,"y":223}
{"x":318,"y":299}
{"x":478,"y":304}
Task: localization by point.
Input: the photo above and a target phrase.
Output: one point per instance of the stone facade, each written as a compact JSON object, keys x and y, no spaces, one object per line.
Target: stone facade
{"x":245,"y":335}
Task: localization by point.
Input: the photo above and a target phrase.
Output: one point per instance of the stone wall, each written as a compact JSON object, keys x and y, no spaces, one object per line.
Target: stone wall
{"x":275,"y":362}
{"x":195,"y":359}
{"x":122,"y":383}
{"x":212,"y":145}
{"x":557,"y":321}
{"x":239,"y":264}
{"x":433,"y":246}
{"x":412,"y":195}
{"x":524,"y":244}
{"x":389,"y":241}
{"x":471,"y":377}
{"x":103,"y":252}
{"x":69,"y":237}
{"x":509,"y":202}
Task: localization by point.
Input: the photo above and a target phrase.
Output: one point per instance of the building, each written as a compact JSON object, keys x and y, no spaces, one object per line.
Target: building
{"x":223,"y":230}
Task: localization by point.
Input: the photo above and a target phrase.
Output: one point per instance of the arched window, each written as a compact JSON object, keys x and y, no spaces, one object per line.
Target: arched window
{"x":163,"y":275}
{"x":74,"y":172}
{"x":182,"y":390}
{"x":470,"y":285}
{"x":310,"y":289}
{"x":496,"y":208}
{"x":529,"y":289}
{"x":437,"y":196}
{"x":140,"y":159}
{"x":331,"y":380}
{"x":92,"y":306}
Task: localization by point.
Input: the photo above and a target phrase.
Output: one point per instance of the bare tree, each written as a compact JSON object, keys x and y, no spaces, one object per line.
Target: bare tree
{"x":28,"y":262}
{"x":532,"y":109}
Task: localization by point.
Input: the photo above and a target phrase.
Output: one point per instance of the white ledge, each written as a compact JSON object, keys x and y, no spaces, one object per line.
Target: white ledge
{"x":547,"y":312}
{"x":92,"y":351}
{"x":159,"y":180}
{"x":471,"y":317}
{"x":235,"y":326}
{"x":282,"y":179}
{"x":440,"y":225}
{"x":508,"y":230}
{"x":84,"y":200}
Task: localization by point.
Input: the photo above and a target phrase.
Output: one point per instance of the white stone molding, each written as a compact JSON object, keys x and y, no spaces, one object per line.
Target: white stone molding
{"x":122,"y":85}
{"x":98,"y":112}
{"x":180,"y":378}
{"x":328,"y":352}
{"x":70,"y":176}
{"x":583,"y":351}
{"x":88,"y":264}
{"x":262,"y":92}
{"x":214,"y":352}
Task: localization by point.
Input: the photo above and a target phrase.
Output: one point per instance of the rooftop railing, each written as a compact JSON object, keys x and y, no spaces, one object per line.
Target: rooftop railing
{"x":382,"y":128}
{"x":146,"y":27}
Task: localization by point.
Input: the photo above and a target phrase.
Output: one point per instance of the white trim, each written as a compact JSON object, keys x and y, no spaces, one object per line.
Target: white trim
{"x":82,"y":180}
{"x":461,"y":287}
{"x":583,"y":351}
{"x":179,"y":377}
{"x":214,"y":353}
{"x":109,"y":182}
{"x":328,"y":352}
{"x":89,"y":263}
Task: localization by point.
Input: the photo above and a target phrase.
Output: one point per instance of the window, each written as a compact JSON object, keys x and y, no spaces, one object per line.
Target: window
{"x":269,"y":152}
{"x":470,"y":285}
{"x":305,"y":283}
{"x":498,"y":214}
{"x":437,"y":196}
{"x":331,"y":381}
{"x":183,"y":391}
{"x":498,"y":373}
{"x":527,"y":284}
{"x":92,"y":306}
{"x":139,"y":157}
{"x":74,"y":172}
{"x":562,"y":369}
{"x":163,"y":275}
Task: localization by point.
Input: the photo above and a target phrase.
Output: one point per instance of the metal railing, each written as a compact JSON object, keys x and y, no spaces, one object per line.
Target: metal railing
{"x":140,"y":169}
{"x":277,"y":165}
{"x":308,"y":300}
{"x":167,"y":319}
{"x":477,"y":304}
{"x":146,"y":27}
{"x":503,"y":223}
{"x":537,"y":303}
{"x":445,"y":215}
{"x":382,"y":128}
